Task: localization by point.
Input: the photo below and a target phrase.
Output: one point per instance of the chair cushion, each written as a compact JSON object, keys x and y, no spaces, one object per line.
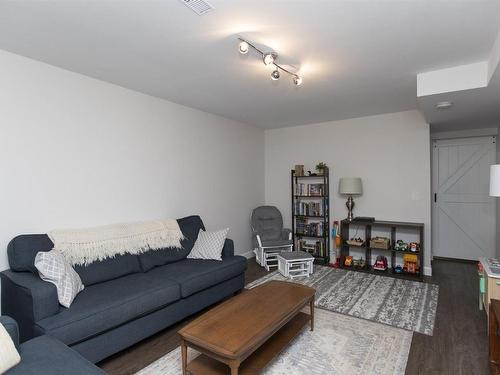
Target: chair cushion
{"x":107,"y":305}
{"x":276,"y":243}
{"x":267,"y":222}
{"x":190,"y":226}
{"x":195,"y":275}
{"x":45,"y":355}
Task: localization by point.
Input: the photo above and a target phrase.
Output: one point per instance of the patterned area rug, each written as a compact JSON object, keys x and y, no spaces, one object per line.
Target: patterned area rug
{"x":400,"y":303}
{"x":339,"y":345}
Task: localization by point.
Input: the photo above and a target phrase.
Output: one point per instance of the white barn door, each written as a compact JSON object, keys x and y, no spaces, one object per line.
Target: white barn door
{"x":463,"y":215}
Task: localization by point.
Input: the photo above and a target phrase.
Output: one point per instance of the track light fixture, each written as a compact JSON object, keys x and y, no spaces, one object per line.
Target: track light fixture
{"x":269,"y":58}
{"x":297,"y":80}
{"x":243,"y":47}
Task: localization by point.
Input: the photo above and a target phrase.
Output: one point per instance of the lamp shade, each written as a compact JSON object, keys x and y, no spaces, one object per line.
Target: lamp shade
{"x":351,"y":186}
{"x":495,"y":180}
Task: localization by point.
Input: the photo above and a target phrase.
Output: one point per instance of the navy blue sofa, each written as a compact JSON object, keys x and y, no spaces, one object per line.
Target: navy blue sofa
{"x":126,"y":298}
{"x":46,"y":355}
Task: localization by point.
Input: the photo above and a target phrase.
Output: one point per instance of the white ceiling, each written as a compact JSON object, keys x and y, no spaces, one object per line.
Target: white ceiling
{"x":357,"y":57}
{"x":472,"y":108}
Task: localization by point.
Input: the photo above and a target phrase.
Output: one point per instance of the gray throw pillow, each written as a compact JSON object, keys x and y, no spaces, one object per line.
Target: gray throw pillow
{"x":209,"y":245}
{"x":53,"y":267}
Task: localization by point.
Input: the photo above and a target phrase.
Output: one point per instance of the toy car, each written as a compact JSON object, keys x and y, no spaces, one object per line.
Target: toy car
{"x":400,"y":246}
{"x":380,"y":263}
{"x":411,"y":264}
{"x":348,"y":261}
{"x":362,"y":263}
{"x":414,"y":246}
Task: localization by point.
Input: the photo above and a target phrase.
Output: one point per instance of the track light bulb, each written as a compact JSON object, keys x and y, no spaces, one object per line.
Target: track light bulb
{"x":243,"y":47}
{"x":269,"y":58}
{"x":275,"y":75}
{"x":297,"y":80}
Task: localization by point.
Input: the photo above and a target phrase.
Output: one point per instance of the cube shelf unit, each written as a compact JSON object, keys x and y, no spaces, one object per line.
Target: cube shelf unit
{"x":324,"y":201}
{"x":394,"y":227}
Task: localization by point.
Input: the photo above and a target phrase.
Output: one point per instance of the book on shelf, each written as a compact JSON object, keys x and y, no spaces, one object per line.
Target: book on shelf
{"x":306,"y":228}
{"x":316,"y":248}
{"x":313,"y":190}
{"x":309,"y":208}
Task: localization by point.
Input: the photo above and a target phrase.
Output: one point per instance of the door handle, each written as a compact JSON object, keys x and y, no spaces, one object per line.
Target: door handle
{"x":435,"y":198}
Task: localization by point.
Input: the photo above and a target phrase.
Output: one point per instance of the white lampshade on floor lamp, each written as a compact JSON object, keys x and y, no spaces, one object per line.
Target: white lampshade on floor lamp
{"x":495,"y":180}
{"x":350,"y":186}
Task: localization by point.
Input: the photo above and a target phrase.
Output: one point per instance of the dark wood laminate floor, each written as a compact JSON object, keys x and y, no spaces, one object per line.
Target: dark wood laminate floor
{"x":458,"y":346}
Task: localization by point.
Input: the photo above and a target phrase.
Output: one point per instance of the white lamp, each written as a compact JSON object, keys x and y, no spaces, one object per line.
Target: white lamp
{"x":351,"y":186}
{"x":495,"y":180}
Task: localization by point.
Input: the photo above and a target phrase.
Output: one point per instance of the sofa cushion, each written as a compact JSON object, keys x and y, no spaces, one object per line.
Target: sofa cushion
{"x":46,"y":355}
{"x":195,"y":275}
{"x":104,"y":306}
{"x":108,"y":269}
{"x":190,"y":226}
{"x":22,"y":251}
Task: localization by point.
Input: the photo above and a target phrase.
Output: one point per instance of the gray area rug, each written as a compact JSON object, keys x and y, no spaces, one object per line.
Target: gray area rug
{"x":339,"y":345}
{"x":399,"y":303}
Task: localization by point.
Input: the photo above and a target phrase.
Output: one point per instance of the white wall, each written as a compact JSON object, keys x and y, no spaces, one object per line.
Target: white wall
{"x":390,"y":152}
{"x":75,"y":152}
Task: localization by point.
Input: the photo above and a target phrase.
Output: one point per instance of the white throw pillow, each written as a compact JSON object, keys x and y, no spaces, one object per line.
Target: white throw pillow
{"x":54,"y":268}
{"x":9,"y":357}
{"x":209,"y":245}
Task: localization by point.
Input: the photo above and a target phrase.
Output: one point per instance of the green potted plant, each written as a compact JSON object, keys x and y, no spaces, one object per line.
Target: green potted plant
{"x":321,"y":167}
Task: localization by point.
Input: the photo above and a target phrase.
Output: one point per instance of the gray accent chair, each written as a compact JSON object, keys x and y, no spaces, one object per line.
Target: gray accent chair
{"x":45,"y":355}
{"x":269,"y":236}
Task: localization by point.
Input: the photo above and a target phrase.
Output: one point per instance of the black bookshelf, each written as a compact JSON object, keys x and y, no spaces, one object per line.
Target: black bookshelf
{"x":394,"y":227}
{"x":321,"y":242}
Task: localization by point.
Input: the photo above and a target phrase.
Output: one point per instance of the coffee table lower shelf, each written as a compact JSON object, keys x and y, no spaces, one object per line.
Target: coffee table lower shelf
{"x":204,"y":365}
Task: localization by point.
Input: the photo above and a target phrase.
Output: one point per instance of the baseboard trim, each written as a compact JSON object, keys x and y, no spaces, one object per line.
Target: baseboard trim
{"x":454,"y":259}
{"x":427,"y":271}
{"x":248,"y":254}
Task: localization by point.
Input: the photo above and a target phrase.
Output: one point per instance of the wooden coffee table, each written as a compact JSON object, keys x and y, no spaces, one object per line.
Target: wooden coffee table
{"x":243,"y":334}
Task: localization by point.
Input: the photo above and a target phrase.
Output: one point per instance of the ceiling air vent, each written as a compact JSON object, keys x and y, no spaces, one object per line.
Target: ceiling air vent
{"x":199,"y":6}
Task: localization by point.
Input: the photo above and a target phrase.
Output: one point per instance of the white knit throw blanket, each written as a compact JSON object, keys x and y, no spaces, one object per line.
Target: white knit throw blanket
{"x":85,"y":246}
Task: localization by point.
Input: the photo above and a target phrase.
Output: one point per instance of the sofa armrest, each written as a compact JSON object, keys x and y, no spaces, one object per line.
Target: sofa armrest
{"x":11,"y":328}
{"x":27,"y":299}
{"x":228,"y":249}
{"x":286,"y":234}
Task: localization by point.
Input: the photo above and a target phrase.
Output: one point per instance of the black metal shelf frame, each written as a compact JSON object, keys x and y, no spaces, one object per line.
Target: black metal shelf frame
{"x":325,"y":218}
{"x":393,"y":226}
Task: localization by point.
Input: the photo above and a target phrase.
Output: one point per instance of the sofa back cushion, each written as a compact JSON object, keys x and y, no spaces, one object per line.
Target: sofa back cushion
{"x":108,"y":269}
{"x":23,"y":249}
{"x":190,"y":226}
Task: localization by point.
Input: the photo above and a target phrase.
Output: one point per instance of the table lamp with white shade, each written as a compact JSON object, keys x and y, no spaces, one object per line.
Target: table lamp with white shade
{"x":495,"y":180}
{"x":350,"y":186}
